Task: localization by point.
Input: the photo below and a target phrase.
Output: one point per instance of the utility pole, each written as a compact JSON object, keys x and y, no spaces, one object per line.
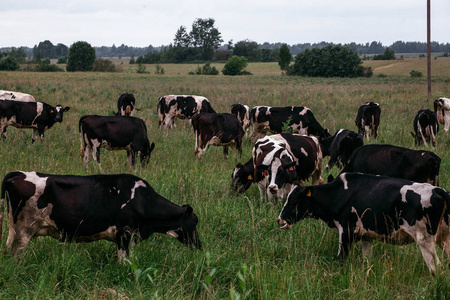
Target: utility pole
{"x":428,"y":49}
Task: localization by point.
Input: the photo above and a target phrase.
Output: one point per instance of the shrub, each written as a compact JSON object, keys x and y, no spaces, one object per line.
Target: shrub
{"x":103,"y":65}
{"x":415,"y":74}
{"x":62,"y":60}
{"x":388,"y":55}
{"x":8,"y":63}
{"x":46,"y":66}
{"x":159,"y":70}
{"x":141,"y":69}
{"x":81,"y":57}
{"x":207,"y":70}
{"x":235,"y":66}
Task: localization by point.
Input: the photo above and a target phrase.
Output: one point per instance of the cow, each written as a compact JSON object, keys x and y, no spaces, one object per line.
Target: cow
{"x":394,"y":161}
{"x":298,"y":119}
{"x":242,"y":112}
{"x":442,"y":110}
{"x":125,"y":105}
{"x":242,"y":176}
{"x":281,"y":159}
{"x":219,"y":130}
{"x":114,"y":133}
{"x":364,"y":207}
{"x":426,"y":127}
{"x":181,"y":106}
{"x":16,"y":96}
{"x":340,"y":147}
{"x":39,"y":116}
{"x":368,"y":119}
{"x":121,"y":208}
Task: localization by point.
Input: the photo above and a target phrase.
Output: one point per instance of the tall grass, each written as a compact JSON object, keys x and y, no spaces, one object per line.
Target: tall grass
{"x":245,"y":255}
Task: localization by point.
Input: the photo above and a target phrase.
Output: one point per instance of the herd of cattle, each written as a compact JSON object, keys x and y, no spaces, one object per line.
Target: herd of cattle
{"x":384,"y":192}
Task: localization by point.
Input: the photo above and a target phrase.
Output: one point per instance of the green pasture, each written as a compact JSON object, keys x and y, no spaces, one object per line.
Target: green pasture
{"x":245,"y":254}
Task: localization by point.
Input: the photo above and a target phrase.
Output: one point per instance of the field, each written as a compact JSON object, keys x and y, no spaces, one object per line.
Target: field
{"x":245,"y":255}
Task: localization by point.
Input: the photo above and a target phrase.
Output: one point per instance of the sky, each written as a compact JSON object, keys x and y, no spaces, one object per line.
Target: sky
{"x":141,"y":23}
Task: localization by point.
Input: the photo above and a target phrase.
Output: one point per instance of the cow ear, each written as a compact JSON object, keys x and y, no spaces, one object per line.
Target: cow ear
{"x":66,"y":108}
{"x":250,"y":177}
{"x":330,"y":178}
{"x":290,"y":166}
{"x":308,"y":192}
{"x":187,"y":210}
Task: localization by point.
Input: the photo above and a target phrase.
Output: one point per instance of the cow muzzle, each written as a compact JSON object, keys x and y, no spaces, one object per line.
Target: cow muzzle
{"x":284,"y":224}
{"x":273,"y":189}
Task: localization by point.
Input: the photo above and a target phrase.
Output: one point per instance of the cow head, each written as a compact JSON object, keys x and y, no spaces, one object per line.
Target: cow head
{"x":56,"y":113}
{"x":146,"y":153}
{"x":277,"y":174}
{"x":242,"y":177}
{"x":187,"y":232}
{"x":296,"y":206}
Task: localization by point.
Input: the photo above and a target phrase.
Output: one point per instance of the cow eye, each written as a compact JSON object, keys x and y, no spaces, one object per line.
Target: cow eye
{"x":266,"y":173}
{"x":291,"y":168}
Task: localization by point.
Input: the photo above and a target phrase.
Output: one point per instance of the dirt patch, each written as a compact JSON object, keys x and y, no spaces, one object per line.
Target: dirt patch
{"x":387,"y":66}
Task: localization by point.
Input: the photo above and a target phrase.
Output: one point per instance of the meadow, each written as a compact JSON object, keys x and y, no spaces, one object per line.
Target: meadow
{"x":245,"y":255}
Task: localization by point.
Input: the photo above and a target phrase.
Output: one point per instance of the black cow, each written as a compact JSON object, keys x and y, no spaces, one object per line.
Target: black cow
{"x":281,"y":159}
{"x":242,"y":112}
{"x":125,"y":105}
{"x":219,"y":130}
{"x":39,"y":116}
{"x":243,"y":176}
{"x":368,"y":119}
{"x":426,"y":127}
{"x":181,"y":106}
{"x":394,"y":161}
{"x":442,"y":110}
{"x":340,"y":147}
{"x":299,"y":119}
{"x":114,"y":133}
{"x":368,"y":207}
{"x":120,"y":208}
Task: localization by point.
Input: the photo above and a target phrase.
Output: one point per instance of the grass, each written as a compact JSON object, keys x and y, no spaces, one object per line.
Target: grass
{"x":245,"y":254}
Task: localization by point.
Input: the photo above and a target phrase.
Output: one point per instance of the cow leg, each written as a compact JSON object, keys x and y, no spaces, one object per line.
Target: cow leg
{"x":262,"y":191}
{"x":3,"y":126}
{"x":225,"y":151}
{"x":443,"y":237}
{"x":18,"y":239}
{"x":87,"y":152}
{"x":427,"y":246}
{"x":131,"y":155}
{"x":34,"y":135}
{"x":344,"y":240}
{"x":367,"y":132}
{"x":423,"y":136}
{"x":367,"y":249}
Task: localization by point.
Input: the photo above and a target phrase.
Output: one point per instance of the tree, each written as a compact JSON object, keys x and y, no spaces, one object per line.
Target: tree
{"x":81,"y":57}
{"x":235,"y":66}
{"x":8,"y":63}
{"x":247,"y":49}
{"x":330,"y":61}
{"x":285,"y":57}
{"x":388,"y":55}
{"x":205,"y":36}
{"x":182,"y":38}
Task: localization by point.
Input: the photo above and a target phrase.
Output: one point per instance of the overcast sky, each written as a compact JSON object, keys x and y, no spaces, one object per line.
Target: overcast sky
{"x":141,"y":23}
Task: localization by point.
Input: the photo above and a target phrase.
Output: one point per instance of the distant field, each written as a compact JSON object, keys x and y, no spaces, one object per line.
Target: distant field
{"x":245,"y":254}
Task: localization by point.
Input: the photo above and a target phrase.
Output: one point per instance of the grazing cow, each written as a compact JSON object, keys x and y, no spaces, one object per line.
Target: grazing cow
{"x":16,"y":96}
{"x":125,"y":105}
{"x":242,"y":113}
{"x":442,"y":110}
{"x":219,"y":130}
{"x":121,"y":208}
{"x":181,"y":106}
{"x":39,"y":116}
{"x":426,"y":127}
{"x":368,"y":207}
{"x":242,"y":177}
{"x":114,"y":133}
{"x":298,"y":118}
{"x":393,"y":161}
{"x":281,"y":159}
{"x":340,"y":147}
{"x":368,"y":119}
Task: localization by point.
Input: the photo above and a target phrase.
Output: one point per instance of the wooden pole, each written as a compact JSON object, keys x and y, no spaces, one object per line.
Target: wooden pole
{"x":428,"y":48}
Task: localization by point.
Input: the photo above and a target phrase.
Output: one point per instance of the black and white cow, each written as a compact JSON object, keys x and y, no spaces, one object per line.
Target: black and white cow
{"x":394,"y":161}
{"x":181,"y":106}
{"x":114,"y":133}
{"x":39,"y":116}
{"x":442,"y":110}
{"x":281,"y":159}
{"x":16,"y":96}
{"x":218,"y":130}
{"x":243,"y":176}
{"x":120,"y":208}
{"x":426,"y":127}
{"x":340,"y":147}
{"x":298,"y":118}
{"x":363,"y":207}
{"x":242,"y":112}
{"x":125,"y":105}
{"x":368,"y":119}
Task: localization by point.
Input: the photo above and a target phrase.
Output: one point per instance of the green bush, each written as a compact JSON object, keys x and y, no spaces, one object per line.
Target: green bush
{"x":207,"y":70}
{"x":8,"y":63}
{"x":81,"y":57}
{"x":62,"y":60}
{"x":388,"y":55}
{"x":235,"y":66}
{"x":330,"y":61}
{"x":103,"y":65}
{"x":415,"y":74}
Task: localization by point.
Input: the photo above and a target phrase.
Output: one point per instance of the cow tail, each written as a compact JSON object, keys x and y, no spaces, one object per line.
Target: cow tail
{"x":80,"y":130}
{"x":3,"y":198}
